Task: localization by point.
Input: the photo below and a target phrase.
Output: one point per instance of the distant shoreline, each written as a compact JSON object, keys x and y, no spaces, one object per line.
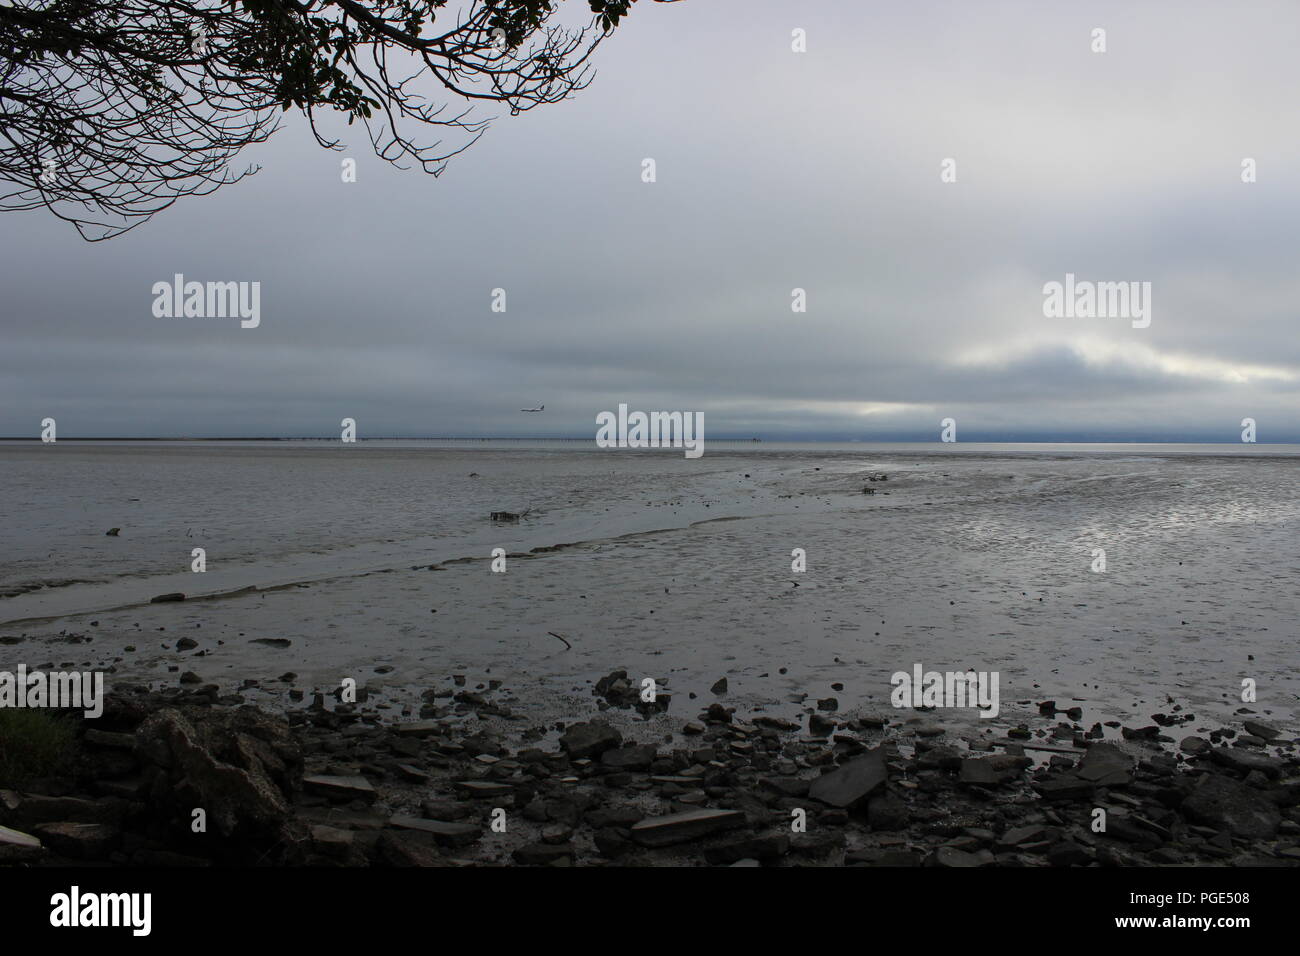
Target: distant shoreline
{"x":591,"y":440}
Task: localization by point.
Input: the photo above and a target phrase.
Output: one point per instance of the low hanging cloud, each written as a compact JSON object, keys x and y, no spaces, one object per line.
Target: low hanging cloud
{"x":775,"y":171}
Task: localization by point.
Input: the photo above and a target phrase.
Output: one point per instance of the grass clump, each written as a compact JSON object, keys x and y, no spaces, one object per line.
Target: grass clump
{"x":33,"y":744}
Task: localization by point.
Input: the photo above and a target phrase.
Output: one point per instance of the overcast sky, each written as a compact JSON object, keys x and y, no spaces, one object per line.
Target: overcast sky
{"x":775,"y":170}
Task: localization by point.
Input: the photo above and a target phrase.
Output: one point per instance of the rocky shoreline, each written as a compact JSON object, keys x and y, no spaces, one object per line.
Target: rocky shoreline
{"x":345,"y":785}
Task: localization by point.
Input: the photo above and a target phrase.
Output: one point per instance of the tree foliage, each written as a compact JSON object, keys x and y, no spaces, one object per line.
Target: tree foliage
{"x":111,"y":110}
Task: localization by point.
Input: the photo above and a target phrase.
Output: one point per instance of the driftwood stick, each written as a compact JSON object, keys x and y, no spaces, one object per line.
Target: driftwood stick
{"x":567,"y":645}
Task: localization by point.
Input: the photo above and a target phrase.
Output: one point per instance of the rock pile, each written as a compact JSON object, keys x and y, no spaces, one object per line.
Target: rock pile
{"x":341,"y":787}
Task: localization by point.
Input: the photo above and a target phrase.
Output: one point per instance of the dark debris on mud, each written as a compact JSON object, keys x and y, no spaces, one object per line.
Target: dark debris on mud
{"x":347,"y":786}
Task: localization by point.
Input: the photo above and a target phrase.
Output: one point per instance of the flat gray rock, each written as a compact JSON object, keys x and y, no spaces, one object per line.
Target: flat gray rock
{"x":978,"y":773}
{"x":1230,"y":805}
{"x":682,"y":827}
{"x":852,"y":781}
{"x":1017,"y":836}
{"x":417,"y":728}
{"x":1245,"y":761}
{"x":947,"y":856}
{"x":1106,"y":765}
{"x":1064,"y":786}
{"x":485,"y":788}
{"x":589,"y":740}
{"x":354,"y":787}
{"x":1261,"y":729}
{"x":446,"y":834}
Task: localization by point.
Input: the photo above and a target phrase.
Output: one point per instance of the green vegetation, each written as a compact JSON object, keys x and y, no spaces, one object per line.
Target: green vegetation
{"x":33,"y":743}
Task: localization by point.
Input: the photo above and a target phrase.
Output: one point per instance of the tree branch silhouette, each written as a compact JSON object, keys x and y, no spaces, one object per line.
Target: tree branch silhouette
{"x":111,"y":110}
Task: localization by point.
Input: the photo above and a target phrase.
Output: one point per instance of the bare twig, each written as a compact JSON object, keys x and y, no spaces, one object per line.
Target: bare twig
{"x":111,"y":110}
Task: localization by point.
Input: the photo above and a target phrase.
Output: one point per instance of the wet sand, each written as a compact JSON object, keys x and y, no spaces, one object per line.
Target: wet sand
{"x":681,"y":572}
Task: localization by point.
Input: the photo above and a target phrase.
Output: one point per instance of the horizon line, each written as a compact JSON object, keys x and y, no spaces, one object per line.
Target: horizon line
{"x":589,"y":438}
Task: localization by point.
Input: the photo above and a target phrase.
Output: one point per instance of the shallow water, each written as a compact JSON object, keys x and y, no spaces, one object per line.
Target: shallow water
{"x":978,"y":558}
